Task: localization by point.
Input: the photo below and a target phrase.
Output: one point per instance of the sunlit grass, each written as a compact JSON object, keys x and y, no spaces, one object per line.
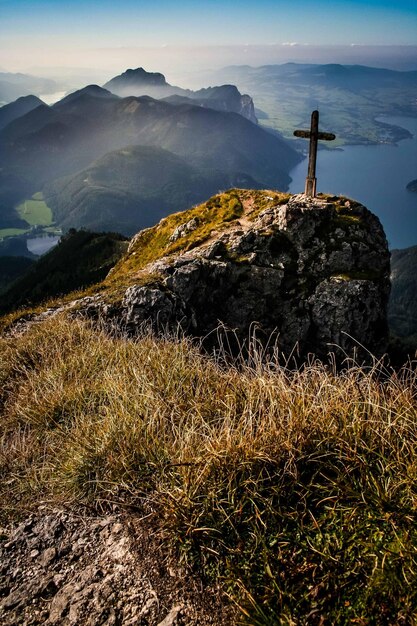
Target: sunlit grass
{"x":296,"y":488}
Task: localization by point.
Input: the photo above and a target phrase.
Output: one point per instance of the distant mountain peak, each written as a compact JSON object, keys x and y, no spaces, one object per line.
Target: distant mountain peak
{"x":96,"y":90}
{"x":137,"y":77}
{"x":91,"y":90}
{"x":21,"y":106}
{"x":30,"y":99}
{"x":139,"y":82}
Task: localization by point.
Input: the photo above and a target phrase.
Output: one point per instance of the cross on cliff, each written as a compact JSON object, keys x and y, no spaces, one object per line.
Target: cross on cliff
{"x":314,"y":135}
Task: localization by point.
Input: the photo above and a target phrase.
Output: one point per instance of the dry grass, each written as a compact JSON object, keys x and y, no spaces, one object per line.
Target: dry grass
{"x":298,"y":488}
{"x":214,"y":215}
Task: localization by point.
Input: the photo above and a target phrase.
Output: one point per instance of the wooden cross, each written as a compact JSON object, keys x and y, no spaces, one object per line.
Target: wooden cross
{"x":314,"y":135}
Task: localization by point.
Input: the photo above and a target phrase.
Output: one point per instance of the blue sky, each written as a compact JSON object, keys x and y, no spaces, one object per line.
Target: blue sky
{"x":42,"y":32}
{"x":212,"y":21}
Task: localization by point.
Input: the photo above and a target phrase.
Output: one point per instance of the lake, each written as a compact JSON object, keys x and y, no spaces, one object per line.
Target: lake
{"x":377,"y":177}
{"x":43,"y":243}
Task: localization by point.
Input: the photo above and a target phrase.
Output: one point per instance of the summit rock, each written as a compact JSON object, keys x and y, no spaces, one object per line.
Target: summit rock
{"x":309,"y":273}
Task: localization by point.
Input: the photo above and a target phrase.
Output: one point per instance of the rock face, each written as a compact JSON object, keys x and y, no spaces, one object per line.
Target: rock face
{"x":312,"y":273}
{"x":226,"y":98}
{"x":63,"y":569}
{"x":248,"y":108}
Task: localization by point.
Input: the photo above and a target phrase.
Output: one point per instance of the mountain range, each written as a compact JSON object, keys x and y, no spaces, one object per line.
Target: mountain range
{"x":138,"y":82}
{"x":14,"y":86}
{"x":194,"y":150}
{"x":110,"y":161}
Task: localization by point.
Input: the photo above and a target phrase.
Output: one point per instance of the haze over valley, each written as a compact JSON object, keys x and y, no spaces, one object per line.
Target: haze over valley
{"x":208,"y":140}
{"x":60,"y":150}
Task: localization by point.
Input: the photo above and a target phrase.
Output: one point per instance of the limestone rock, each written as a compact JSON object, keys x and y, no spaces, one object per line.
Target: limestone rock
{"x":312,"y":272}
{"x":183,"y":229}
{"x":248,"y":108}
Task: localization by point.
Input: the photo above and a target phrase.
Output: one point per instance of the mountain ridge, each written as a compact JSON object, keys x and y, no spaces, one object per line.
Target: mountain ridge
{"x":138,"y":82}
{"x":52,"y":142}
{"x":134,"y":186}
{"x":18,"y":108}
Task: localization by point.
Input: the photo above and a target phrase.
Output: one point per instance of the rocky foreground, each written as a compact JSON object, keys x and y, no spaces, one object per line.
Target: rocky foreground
{"x":63,"y":569}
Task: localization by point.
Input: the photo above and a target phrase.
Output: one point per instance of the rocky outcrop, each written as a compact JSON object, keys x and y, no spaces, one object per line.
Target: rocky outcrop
{"x":67,"y":569}
{"x":225,"y":98}
{"x":311,"y":273}
{"x":305,"y":274}
{"x":247,"y":108}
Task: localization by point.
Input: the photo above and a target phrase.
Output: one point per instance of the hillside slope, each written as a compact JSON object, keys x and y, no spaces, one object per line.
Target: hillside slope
{"x":12,"y":268}
{"x":269,"y":483}
{"x":130,"y":189}
{"x":51,"y":142}
{"x":80,"y":259}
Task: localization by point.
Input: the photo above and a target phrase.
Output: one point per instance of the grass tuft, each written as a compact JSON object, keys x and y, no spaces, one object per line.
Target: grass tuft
{"x":296,"y":488}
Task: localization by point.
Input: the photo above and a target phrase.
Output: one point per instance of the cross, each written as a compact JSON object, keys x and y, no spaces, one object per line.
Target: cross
{"x":314,"y":135}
